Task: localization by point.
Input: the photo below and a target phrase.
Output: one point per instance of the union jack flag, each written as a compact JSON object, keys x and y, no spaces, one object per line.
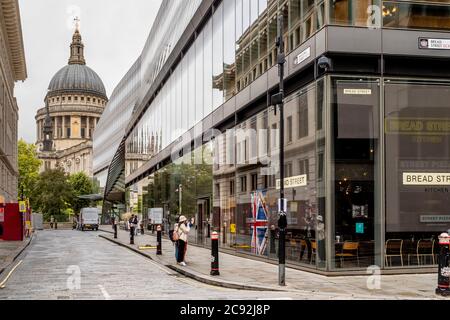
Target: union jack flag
{"x":259,"y":223}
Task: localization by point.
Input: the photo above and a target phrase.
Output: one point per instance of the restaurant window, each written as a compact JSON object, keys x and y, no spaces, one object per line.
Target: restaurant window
{"x":417,"y":14}
{"x":355,"y":111}
{"x":417,"y":139}
{"x":352,"y":12}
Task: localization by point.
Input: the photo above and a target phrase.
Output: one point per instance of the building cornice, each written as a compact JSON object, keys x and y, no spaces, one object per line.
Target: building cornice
{"x":84,"y":110}
{"x":10,"y":15}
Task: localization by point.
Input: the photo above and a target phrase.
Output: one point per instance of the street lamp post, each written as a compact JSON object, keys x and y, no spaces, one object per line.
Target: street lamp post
{"x":278,"y":99}
{"x":180,"y":190}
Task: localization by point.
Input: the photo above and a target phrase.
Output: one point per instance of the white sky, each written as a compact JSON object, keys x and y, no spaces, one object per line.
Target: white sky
{"x":114,"y":33}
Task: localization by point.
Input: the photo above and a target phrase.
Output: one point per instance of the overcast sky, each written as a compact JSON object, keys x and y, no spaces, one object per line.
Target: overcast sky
{"x":114,"y":33}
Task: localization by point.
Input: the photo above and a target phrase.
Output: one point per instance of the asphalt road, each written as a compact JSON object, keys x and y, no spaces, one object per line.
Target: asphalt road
{"x":68,"y":264}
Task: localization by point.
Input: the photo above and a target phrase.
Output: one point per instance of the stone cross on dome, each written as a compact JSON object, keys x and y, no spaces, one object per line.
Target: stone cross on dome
{"x":77,"y":23}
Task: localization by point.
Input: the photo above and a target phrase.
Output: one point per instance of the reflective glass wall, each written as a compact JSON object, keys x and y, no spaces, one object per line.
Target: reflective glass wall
{"x":235,"y":46}
{"x":400,"y":14}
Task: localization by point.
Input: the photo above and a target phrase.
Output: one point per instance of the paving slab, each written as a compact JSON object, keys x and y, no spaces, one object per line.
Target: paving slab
{"x":238,"y":272}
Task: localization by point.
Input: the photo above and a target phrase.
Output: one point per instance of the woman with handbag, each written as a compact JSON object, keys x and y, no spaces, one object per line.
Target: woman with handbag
{"x":183,"y":231}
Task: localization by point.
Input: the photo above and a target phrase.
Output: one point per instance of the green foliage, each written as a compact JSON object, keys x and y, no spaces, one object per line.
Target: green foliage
{"x":81,"y":185}
{"x":28,"y":169}
{"x":52,"y":192}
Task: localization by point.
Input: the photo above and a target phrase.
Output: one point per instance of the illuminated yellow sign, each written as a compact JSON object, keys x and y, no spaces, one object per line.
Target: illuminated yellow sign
{"x":418,"y":126}
{"x":233,"y":228}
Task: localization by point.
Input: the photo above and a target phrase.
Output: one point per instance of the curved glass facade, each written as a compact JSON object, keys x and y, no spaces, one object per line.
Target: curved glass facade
{"x":349,"y":178}
{"x":111,"y":127}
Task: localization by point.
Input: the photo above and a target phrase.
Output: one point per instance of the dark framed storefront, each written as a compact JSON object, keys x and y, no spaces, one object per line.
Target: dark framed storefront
{"x":368,"y":172}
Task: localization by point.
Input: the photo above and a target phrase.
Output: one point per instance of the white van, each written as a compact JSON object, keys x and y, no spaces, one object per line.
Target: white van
{"x":89,"y":218}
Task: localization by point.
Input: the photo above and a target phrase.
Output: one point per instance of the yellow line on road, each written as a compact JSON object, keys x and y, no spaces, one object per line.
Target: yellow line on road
{"x":3,"y":284}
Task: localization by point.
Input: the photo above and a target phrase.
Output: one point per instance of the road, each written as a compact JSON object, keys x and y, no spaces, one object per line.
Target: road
{"x":73,"y":265}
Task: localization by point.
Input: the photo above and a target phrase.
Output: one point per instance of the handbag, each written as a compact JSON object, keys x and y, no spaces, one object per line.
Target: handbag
{"x":175,"y":236}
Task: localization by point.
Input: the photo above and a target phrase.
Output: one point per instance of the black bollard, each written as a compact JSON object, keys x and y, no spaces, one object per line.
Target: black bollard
{"x":215,"y":254}
{"x":131,"y":235}
{"x":158,"y":240}
{"x":115,"y":230}
{"x":443,"y":287}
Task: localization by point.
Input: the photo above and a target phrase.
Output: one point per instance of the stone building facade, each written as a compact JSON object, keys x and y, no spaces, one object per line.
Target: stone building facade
{"x":12,"y":69}
{"x":76,"y":99}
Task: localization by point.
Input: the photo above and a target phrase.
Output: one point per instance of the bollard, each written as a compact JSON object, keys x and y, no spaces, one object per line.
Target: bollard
{"x":158,"y":239}
{"x":115,"y":230}
{"x":215,"y":254}
{"x":443,"y":287}
{"x":131,"y":235}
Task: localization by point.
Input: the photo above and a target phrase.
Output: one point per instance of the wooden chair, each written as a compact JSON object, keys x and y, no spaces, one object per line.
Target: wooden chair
{"x":293,"y":245}
{"x":393,"y":248}
{"x":350,"y":249}
{"x":425,"y":248}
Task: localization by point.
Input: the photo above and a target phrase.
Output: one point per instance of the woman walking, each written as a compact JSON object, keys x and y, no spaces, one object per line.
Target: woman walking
{"x":183,"y":231}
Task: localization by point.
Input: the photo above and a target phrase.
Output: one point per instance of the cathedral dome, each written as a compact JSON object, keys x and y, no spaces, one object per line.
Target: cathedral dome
{"x":77,"y":77}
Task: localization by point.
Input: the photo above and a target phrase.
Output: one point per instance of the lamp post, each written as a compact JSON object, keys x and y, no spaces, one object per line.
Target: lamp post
{"x":179,"y":190}
{"x":278,"y":100}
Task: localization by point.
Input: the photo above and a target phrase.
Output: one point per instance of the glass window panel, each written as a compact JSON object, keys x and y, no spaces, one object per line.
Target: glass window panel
{"x":218,"y":76}
{"x":229,"y":64}
{"x":416,"y":15}
{"x":351,"y":12}
{"x":185,"y":93}
{"x":245,"y":15}
{"x":191,"y":86}
{"x":262,"y":6}
{"x":208,"y":68}
{"x":355,"y":121}
{"x":417,"y":127}
{"x":199,"y":78}
{"x":254,"y":12}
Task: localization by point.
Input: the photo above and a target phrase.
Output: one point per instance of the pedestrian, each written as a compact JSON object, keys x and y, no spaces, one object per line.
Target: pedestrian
{"x":74,"y":222}
{"x":142,"y":227}
{"x":132,"y":226}
{"x":183,"y":231}
{"x":174,"y":236}
{"x":52,"y":220}
{"x":56,"y":224}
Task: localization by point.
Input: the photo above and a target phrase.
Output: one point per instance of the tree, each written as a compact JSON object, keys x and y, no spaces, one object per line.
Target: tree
{"x":28,"y":169}
{"x":52,"y":192}
{"x":81,"y":185}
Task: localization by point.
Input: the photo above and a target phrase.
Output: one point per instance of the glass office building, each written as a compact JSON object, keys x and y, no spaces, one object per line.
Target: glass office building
{"x":366,"y":130}
{"x":109,"y":157}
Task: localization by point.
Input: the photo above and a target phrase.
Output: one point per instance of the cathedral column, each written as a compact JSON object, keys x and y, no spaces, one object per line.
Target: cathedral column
{"x":55,"y":130}
{"x":87,"y":128}
{"x":63,"y":135}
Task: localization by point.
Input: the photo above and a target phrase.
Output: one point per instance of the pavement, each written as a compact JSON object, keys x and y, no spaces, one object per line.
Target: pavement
{"x":10,"y":250}
{"x":237,"y":272}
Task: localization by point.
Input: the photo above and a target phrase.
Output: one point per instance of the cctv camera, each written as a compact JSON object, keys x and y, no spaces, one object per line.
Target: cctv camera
{"x":324,"y":63}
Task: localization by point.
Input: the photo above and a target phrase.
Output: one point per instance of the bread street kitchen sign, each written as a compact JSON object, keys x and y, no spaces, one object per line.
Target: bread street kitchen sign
{"x":437,"y":44}
{"x":293,"y":182}
{"x":426,"y":179}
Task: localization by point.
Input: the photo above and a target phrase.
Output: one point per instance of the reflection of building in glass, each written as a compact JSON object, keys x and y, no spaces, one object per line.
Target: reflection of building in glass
{"x":349,"y":184}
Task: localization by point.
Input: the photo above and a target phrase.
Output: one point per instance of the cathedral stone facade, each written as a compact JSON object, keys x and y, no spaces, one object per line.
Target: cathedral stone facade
{"x":75,"y":101}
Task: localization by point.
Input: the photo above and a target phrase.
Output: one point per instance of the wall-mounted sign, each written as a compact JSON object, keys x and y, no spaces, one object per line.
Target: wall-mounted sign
{"x":22,"y":206}
{"x":232,"y":228}
{"x":358,"y":91}
{"x":438,"y":44}
{"x":2,"y":214}
{"x":434,"y":219}
{"x":293,"y":182}
{"x":426,"y":179}
{"x":303,"y":56}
